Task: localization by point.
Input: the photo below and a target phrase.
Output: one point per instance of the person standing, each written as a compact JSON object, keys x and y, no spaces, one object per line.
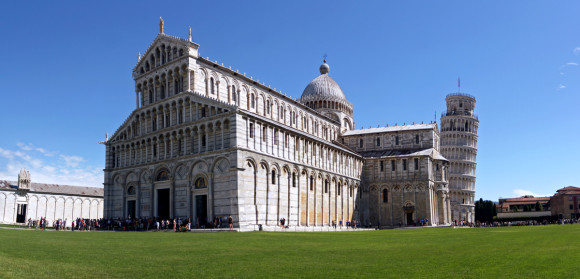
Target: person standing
{"x":231,"y":222}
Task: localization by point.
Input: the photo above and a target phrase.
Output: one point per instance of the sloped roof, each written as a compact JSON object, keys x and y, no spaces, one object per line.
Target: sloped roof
{"x":403,"y":153}
{"x":390,"y":129}
{"x":569,"y":188}
{"x":506,"y":203}
{"x":56,"y":189}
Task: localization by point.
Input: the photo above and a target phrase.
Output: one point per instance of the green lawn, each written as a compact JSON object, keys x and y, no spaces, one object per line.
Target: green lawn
{"x":511,"y":252}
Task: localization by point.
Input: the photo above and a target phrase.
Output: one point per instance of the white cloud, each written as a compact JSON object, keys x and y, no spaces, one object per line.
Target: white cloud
{"x":72,"y":161}
{"x":576,"y":51}
{"x":64,"y":169}
{"x":561,"y":86}
{"x":31,"y":147}
{"x":6,"y":153}
{"x":522,"y":192}
{"x":569,"y":64}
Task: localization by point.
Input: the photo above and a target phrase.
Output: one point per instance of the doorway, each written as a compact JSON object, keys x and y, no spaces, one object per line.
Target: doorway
{"x":163,"y":204}
{"x":410,"y":218}
{"x":131,"y":208}
{"x":201,"y":210}
{"x":21,"y":213}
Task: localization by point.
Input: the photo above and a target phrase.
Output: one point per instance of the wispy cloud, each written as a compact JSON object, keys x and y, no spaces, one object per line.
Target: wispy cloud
{"x":561,"y":86}
{"x":576,"y":51}
{"x":72,"y":161}
{"x":46,"y":167}
{"x":522,"y":192}
{"x":569,"y":64}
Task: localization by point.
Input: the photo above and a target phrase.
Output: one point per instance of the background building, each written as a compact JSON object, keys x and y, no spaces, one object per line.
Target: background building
{"x":523,"y":207}
{"x":564,"y":203}
{"x":404,"y":176}
{"x":22,"y":200}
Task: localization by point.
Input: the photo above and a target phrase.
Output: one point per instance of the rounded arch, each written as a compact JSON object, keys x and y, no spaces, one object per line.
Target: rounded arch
{"x":200,"y":181}
{"x":162,"y":173}
{"x":275,"y":166}
{"x":132,"y":177}
{"x":199,"y":166}
{"x":265,"y":165}
{"x":251,"y":162}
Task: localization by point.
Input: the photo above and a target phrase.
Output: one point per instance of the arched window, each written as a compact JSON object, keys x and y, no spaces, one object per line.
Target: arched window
{"x":360,"y":143}
{"x":211,"y":86}
{"x":281,"y":112}
{"x":200,"y":183}
{"x":234,"y":97}
{"x":311,"y":183}
{"x":203,"y":140}
{"x":267,"y":108}
{"x":338,"y":189}
{"x":378,"y":141}
{"x":293,"y":179}
{"x":131,"y":191}
{"x":252,"y":101}
{"x":273,"y":177}
{"x":162,"y":176}
{"x":397,"y":140}
{"x":385,"y":195}
{"x":326,"y":186}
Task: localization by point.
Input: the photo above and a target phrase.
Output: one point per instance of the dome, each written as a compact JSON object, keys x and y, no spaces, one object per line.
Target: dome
{"x":323,"y":87}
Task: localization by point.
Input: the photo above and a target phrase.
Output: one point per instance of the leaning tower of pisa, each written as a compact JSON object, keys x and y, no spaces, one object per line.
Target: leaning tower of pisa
{"x":459,"y":145}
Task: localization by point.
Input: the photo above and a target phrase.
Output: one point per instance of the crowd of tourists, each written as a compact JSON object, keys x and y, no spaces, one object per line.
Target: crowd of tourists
{"x":181,"y":225}
{"x":521,"y":223}
{"x":131,"y":224}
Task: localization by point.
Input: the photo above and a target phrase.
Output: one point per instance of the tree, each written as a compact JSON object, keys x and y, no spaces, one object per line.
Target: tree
{"x":485,"y":210}
{"x":539,"y":206}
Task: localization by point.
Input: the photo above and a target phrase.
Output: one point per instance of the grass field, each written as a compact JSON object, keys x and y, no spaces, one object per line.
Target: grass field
{"x":551,"y":251}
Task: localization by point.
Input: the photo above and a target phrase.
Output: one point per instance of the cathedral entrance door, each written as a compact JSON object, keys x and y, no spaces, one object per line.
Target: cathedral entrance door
{"x":131,"y":208}
{"x":21,"y":213}
{"x":201,"y":209}
{"x":409,"y":218}
{"x":163,"y":204}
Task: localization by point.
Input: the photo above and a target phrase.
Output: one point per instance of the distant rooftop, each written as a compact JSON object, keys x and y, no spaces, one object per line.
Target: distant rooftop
{"x":390,"y":129}
{"x":403,"y":153}
{"x":56,"y":189}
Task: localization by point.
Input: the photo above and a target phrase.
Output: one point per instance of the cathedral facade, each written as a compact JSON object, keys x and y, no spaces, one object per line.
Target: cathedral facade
{"x":205,"y":141}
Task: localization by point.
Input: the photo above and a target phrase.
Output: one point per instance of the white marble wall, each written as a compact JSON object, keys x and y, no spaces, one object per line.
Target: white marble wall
{"x":50,"y":206}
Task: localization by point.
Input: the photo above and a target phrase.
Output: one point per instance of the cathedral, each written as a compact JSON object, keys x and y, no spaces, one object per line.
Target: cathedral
{"x":205,"y":141}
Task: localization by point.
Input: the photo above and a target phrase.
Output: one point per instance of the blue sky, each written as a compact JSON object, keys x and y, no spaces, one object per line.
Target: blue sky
{"x":65,"y":75}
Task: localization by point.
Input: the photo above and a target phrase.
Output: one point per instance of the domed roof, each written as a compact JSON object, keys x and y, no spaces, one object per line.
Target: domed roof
{"x":323,"y":87}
